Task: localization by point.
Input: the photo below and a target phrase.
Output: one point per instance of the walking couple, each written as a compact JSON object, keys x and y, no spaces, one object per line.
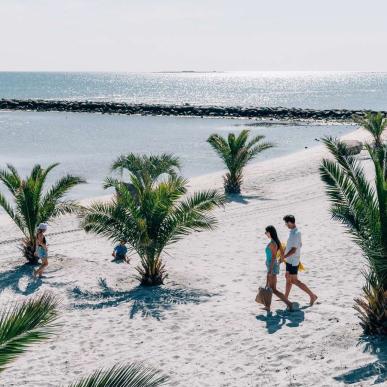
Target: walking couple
{"x":290,"y":255}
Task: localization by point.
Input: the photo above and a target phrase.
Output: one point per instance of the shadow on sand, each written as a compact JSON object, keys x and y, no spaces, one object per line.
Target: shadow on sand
{"x":275,"y":321}
{"x":376,"y":370}
{"x":20,"y":280}
{"x":146,"y":301}
{"x":244,"y":199}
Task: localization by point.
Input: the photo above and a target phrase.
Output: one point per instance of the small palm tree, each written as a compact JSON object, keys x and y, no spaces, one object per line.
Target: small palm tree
{"x":236,"y":152}
{"x":147,"y":169}
{"x":152,"y":219}
{"x":34,"y":321}
{"x":362,"y":207}
{"x":33,"y":204}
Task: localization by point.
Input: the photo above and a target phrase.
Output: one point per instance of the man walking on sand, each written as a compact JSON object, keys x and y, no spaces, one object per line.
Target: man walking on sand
{"x":292,"y":256}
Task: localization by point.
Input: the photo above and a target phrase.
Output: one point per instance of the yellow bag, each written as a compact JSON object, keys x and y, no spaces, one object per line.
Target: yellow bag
{"x":301,"y":267}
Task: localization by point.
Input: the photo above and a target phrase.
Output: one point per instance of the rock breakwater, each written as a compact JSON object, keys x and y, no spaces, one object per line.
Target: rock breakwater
{"x":280,"y":113}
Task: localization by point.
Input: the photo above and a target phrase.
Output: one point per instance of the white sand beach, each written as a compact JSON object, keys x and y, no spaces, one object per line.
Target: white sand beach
{"x":203,"y":328}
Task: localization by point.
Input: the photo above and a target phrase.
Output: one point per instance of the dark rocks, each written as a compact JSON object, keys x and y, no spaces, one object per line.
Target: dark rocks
{"x":354,"y":146}
{"x":181,"y":110}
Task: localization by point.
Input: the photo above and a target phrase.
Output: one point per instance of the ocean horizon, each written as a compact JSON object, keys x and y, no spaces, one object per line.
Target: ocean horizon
{"x":303,"y":89}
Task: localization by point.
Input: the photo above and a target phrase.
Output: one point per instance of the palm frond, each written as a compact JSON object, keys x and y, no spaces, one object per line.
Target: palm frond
{"x":10,"y":179}
{"x":362,"y":208}
{"x":351,"y":168}
{"x":190,"y":215}
{"x":123,"y":375}
{"x":7,"y":207}
{"x":375,"y":124}
{"x":52,"y":205}
{"x":111,"y":182}
{"x":147,"y":169}
{"x":220,"y":145}
{"x":25,"y":324}
{"x":254,"y":151}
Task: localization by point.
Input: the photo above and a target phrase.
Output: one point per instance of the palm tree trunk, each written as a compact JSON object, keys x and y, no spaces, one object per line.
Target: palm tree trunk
{"x":152,"y":272}
{"x":28,"y":248}
{"x":382,"y":201}
{"x":232,"y":183}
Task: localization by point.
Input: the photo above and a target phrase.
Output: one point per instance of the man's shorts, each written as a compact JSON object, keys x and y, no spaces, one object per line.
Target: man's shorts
{"x":293,"y":270}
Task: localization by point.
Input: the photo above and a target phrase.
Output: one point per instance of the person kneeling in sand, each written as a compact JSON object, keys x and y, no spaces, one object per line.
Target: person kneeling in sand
{"x":273,"y":265}
{"x":119,"y":252}
{"x":292,"y":256}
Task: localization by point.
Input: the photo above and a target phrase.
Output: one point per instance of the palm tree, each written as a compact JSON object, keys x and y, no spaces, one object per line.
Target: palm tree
{"x":33,"y":204}
{"x":362,"y":207}
{"x":236,"y":152}
{"x":147,"y":169}
{"x":152,"y":219}
{"x":34,"y":321}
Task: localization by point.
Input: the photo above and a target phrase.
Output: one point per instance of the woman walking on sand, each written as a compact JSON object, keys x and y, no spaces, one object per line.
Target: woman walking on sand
{"x":41,"y":249}
{"x":273,"y":265}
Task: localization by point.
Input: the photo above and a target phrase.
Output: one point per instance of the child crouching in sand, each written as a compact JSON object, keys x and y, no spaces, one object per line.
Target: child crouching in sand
{"x":119,"y":252}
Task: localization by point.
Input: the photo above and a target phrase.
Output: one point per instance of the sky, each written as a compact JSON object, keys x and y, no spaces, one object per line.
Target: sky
{"x":200,"y":35}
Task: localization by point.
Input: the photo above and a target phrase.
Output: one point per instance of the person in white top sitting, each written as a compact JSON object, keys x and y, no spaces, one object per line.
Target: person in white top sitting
{"x":292,"y":256}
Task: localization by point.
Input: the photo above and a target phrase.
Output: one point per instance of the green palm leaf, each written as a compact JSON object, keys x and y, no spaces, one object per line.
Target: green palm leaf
{"x":25,"y":324}
{"x":125,"y":375}
{"x":147,"y":169}
{"x":375,"y":124}
{"x":190,"y":215}
{"x":10,"y":178}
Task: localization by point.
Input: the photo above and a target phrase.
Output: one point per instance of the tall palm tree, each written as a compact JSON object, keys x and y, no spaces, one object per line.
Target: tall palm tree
{"x":34,"y":321}
{"x":152,"y":219}
{"x":147,"y":169}
{"x":362,"y":207}
{"x":236,"y":152}
{"x":33,"y":204}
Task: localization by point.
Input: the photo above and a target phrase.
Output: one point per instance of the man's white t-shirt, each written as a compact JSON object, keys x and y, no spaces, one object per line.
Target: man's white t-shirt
{"x":294,"y":241}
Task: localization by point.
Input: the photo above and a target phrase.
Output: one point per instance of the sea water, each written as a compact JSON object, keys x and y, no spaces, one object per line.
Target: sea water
{"x":86,"y":144}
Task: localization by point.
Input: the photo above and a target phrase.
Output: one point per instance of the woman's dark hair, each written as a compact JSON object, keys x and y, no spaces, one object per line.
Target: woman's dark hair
{"x":290,"y":219}
{"x":273,"y":233}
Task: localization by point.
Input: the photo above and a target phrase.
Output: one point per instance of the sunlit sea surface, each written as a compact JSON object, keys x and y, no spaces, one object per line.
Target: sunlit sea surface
{"x":320,"y":90}
{"x":86,"y":144}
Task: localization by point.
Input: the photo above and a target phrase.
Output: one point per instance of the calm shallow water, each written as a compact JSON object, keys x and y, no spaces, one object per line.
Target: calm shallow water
{"x":320,"y":90}
{"x":86,"y":144}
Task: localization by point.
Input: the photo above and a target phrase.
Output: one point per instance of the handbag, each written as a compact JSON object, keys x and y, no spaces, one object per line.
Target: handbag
{"x":264,"y":296}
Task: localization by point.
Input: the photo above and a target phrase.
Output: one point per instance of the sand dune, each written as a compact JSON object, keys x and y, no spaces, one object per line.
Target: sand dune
{"x":203,"y":327}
